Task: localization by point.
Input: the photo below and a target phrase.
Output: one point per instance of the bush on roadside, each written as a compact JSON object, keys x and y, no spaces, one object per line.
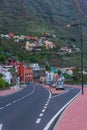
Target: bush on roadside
{"x":3,"y":84}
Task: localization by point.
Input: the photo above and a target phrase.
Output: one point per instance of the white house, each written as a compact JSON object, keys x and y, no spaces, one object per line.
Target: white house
{"x":7,"y":77}
{"x":49,"y":76}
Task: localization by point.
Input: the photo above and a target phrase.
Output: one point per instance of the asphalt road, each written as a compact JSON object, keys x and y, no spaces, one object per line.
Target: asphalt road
{"x":58,"y":104}
{"x":33,"y":108}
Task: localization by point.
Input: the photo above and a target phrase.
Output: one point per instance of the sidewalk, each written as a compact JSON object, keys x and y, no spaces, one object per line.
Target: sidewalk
{"x":9,"y":91}
{"x":75,"y":116}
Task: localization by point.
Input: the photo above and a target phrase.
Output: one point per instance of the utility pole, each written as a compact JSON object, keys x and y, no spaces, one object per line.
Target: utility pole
{"x":81,"y":54}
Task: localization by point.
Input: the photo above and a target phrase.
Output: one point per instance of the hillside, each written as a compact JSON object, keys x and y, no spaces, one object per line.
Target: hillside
{"x":33,"y":17}
{"x":30,"y":16}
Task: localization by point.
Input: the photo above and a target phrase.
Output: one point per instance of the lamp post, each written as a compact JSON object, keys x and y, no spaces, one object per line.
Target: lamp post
{"x":80,"y":26}
{"x":0,"y":40}
{"x":81,"y":54}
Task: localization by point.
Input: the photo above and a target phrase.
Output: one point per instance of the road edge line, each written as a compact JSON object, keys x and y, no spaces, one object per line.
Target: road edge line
{"x":1,"y":126}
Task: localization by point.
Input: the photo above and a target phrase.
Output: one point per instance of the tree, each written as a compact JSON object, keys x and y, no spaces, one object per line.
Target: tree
{"x":47,"y":67}
{"x":76,"y":74}
{"x":2,"y":56}
{"x":3,"y":59}
{"x":2,"y":83}
{"x":59,"y":72}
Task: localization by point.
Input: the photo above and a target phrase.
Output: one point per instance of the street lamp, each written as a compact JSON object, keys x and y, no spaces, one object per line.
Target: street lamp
{"x":81,"y":54}
{"x":0,"y":40}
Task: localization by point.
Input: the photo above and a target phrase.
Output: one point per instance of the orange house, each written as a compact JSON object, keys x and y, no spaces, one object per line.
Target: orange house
{"x":25,"y":73}
{"x":28,"y":75}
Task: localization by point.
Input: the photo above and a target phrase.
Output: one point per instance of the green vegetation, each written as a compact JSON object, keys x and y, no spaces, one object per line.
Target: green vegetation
{"x":32,"y":17}
{"x":76,"y":77}
{"x":10,"y":49}
{"x":3,"y":84}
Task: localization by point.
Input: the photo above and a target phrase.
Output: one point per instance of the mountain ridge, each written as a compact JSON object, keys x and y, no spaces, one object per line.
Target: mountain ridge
{"x":36,"y":17}
{"x":21,"y":15}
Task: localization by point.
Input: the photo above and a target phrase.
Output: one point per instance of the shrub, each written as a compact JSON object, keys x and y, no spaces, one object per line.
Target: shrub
{"x":67,"y":76}
{"x":2,"y":84}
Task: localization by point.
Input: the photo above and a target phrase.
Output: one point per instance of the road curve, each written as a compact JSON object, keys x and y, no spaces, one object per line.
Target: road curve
{"x":21,"y":110}
{"x":33,"y":108}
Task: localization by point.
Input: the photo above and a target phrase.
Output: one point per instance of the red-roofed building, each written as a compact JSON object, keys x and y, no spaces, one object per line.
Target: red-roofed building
{"x":25,"y":73}
{"x":11,"y":35}
{"x":29,"y":37}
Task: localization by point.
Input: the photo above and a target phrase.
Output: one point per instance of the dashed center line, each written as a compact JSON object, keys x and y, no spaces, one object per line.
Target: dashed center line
{"x":1,"y":108}
{"x":45,"y":107}
{"x":41,"y":115}
{"x":46,"y":104}
{"x":14,"y":101}
{"x":43,"y":110}
{"x":38,"y":120}
{"x":18,"y":99}
{"x":8,"y":105}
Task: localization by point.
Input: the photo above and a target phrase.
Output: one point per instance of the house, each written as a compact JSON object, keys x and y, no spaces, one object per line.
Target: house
{"x":66,"y":49}
{"x":49,"y":76}
{"x":29,"y":46}
{"x":69,"y":71}
{"x":6,"y":74}
{"x":16,"y":38}
{"x":25,"y":73}
{"x":22,"y":37}
{"x":4,"y":36}
{"x":49,"y":44}
{"x":7,"y":77}
{"x":38,"y":72}
{"x":11,"y":35}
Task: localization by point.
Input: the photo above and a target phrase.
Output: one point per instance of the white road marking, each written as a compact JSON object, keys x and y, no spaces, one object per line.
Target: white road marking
{"x":57,"y":114}
{"x":41,"y":115}
{"x":38,"y":121}
{"x":48,"y":100}
{"x":43,"y":110}
{"x":22,"y":97}
{"x":66,"y":91}
{"x":1,"y":126}
{"x":19,"y":99}
{"x":1,"y":108}
{"x":45,"y":107}
{"x":8,"y":105}
{"x":14,"y":101}
{"x":46,"y":103}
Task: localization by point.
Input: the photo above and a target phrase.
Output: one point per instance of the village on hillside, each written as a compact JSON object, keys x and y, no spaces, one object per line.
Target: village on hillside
{"x":36,"y":43}
{"x":32,"y":73}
